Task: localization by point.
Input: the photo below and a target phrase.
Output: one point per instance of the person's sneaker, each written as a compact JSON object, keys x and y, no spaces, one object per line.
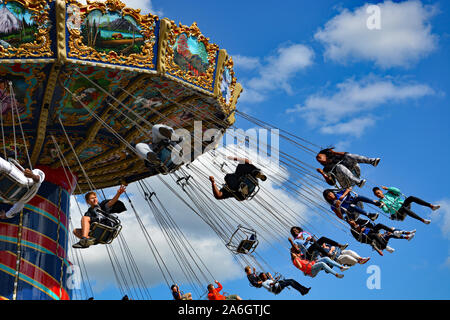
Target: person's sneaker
{"x":413,"y":231}
{"x":373,"y":216}
{"x":362,"y":183}
{"x":389,"y":249}
{"x":345,"y":268}
{"x":410,"y":236}
{"x":343,"y":246}
{"x":376,"y":162}
{"x":426,"y":221}
{"x":84,"y":243}
{"x":398,"y":233}
{"x":77,"y":245}
{"x":364,"y":260}
{"x":434,"y":208}
{"x":263,"y":177}
{"x":340,"y":276}
{"x":306,"y":291}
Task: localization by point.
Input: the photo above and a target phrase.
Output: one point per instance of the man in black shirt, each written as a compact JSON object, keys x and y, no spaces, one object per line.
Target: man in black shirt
{"x":235,"y":186}
{"x":96,"y":213}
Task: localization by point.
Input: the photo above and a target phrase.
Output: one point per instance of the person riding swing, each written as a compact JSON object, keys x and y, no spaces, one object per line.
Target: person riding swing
{"x":158,"y":154}
{"x":241,"y":184}
{"x":103,"y":213}
{"x":343,"y":167}
{"x":17,"y":186}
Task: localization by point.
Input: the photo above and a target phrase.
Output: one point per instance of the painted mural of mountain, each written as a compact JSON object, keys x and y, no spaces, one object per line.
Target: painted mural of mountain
{"x":122,"y":25}
{"x":8,"y":22}
{"x":191,"y":62}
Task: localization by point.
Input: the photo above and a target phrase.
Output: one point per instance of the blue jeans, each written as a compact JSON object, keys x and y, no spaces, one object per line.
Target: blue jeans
{"x":325,"y":264}
{"x":354,"y":210}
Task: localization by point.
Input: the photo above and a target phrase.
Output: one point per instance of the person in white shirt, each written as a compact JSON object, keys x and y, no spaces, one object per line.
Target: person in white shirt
{"x":277,"y":286}
{"x":26,"y":184}
{"x":161,"y":135}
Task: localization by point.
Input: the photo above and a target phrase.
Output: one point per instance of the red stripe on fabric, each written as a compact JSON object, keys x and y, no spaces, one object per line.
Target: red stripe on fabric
{"x":8,"y":259}
{"x":11,"y":230}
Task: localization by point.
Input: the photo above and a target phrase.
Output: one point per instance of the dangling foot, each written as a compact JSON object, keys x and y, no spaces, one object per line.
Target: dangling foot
{"x":434,"y":208}
{"x":305,"y":292}
{"x":363,"y":260}
{"x":343,"y":246}
{"x":362,"y":183}
{"x":399,"y":233}
{"x":261,"y":176}
{"x":84,"y":243}
{"x":389,"y":249}
{"x":426,"y":221}
{"x":410,"y":236}
{"x":344,"y":268}
{"x":340,"y":276}
{"x":376,"y":162}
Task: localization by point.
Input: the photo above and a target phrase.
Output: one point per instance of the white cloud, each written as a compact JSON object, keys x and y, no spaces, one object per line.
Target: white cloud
{"x":246,"y":63}
{"x":442,"y":217}
{"x":276,"y":71}
{"x":404,"y":38}
{"x":447,"y":263}
{"x":346,"y":110}
{"x":354,"y":127}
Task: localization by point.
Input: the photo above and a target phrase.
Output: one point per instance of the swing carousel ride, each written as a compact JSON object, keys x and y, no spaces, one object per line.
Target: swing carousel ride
{"x":80,"y":86}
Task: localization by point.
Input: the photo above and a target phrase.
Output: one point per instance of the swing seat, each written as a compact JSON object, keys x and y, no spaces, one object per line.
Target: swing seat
{"x":104,"y":234}
{"x":11,"y":189}
{"x":250,"y":184}
{"x":166,"y":164}
{"x":246,"y":246}
{"x":243,"y":241}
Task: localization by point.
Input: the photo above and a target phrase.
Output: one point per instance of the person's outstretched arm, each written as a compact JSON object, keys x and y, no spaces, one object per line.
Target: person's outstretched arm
{"x":346,"y":192}
{"x":393,"y":190}
{"x":116,"y":197}
{"x":326,"y":177}
{"x":244,"y":160}
{"x":216,"y":191}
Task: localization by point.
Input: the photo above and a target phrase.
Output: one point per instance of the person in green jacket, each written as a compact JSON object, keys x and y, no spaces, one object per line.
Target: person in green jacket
{"x":399,"y":206}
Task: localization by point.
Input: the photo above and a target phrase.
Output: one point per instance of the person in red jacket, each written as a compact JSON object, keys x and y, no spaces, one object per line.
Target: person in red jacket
{"x":213,"y":293}
{"x":312,"y":268}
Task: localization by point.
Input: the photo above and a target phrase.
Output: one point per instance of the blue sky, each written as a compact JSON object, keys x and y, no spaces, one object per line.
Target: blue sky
{"x":309,"y":68}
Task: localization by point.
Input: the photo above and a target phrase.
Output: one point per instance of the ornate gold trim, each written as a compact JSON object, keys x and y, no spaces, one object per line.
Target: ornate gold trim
{"x":42,"y":125}
{"x":78,"y":50}
{"x":204,"y":81}
{"x":93,"y":130}
{"x":41,"y":46}
{"x":228,"y":105}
